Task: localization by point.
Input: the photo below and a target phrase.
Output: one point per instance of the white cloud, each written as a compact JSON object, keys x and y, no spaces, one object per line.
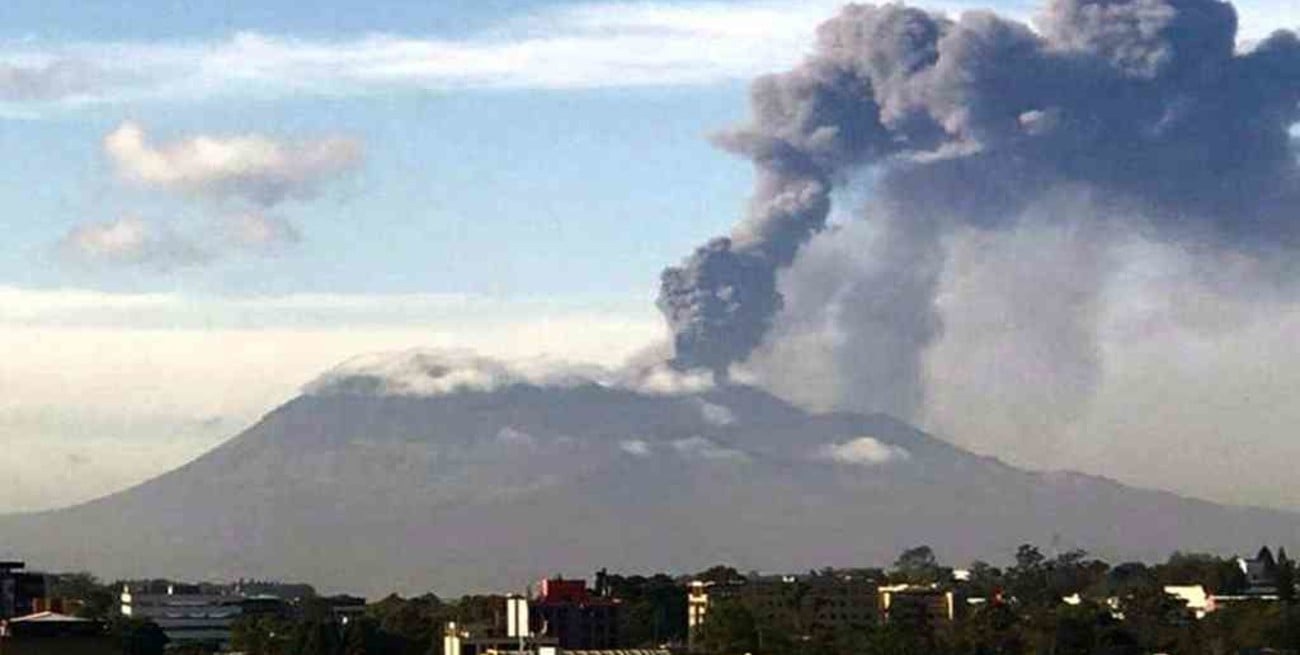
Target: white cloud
{"x":513,"y":436}
{"x":251,"y":167}
{"x":862,"y":451}
{"x":715,"y":414}
{"x":635,"y":447}
{"x":48,"y":80}
{"x":700,"y":447}
{"x":129,"y":240}
{"x":446,"y":371}
{"x":660,"y":378}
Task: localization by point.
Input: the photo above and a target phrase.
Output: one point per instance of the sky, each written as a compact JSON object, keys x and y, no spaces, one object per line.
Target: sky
{"x":207,"y":206}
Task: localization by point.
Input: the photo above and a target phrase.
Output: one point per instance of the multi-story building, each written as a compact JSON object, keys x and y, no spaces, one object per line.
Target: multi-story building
{"x":805,"y":607}
{"x":188,"y":614}
{"x":929,"y":605}
{"x":576,"y":618}
{"x":20,"y":591}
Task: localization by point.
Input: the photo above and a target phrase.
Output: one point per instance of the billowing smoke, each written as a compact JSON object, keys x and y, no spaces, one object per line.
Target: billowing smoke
{"x":978,"y":124}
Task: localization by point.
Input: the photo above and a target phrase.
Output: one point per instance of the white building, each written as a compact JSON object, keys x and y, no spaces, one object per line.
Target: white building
{"x":184,"y":612}
{"x":1199,"y":601}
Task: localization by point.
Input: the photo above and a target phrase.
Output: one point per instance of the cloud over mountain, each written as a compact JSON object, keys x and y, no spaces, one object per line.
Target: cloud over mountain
{"x":407,"y":492}
{"x":862,"y":451}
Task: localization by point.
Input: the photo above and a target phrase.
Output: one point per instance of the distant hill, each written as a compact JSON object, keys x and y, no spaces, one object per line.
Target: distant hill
{"x":487,"y":481}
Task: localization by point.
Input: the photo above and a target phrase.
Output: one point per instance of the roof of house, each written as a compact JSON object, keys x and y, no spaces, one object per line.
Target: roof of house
{"x":48,"y":617}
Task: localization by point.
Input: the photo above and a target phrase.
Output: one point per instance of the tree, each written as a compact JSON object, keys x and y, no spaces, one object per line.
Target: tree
{"x":653,"y":612}
{"x":1159,"y":622}
{"x":917,"y":565}
{"x":1082,"y":629}
{"x":720,"y":574}
{"x":986,"y":580}
{"x":1027,"y":580}
{"x":993,"y":629}
{"x":87,"y":596}
{"x":1285,"y":578}
{"x":731,"y":628}
{"x":261,"y":634}
{"x":138,"y":636}
{"x":362,"y":637}
{"x":1218,"y":575}
{"x":315,"y":637}
{"x":892,"y":638}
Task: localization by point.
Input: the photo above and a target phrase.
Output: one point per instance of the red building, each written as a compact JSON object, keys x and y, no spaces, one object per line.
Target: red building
{"x":574,"y":616}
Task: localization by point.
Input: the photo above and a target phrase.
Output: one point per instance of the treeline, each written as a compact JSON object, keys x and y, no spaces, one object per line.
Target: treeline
{"x":1022,"y":610}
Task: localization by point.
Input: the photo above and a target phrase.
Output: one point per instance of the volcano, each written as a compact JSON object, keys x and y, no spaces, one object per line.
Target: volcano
{"x":454,"y":473}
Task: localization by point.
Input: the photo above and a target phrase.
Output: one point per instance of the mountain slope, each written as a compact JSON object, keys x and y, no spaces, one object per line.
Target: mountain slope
{"x":474,"y":488}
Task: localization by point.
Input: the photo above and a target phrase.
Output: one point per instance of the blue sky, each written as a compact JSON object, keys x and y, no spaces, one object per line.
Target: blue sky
{"x":207,"y":204}
{"x":519,"y":200}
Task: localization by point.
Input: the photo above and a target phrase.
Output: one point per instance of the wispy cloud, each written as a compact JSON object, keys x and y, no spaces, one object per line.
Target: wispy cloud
{"x":702,"y":448}
{"x":587,"y":46}
{"x":243,"y":175}
{"x":618,"y":44}
{"x":89,"y":308}
{"x":49,"y":79}
{"x":258,"y":231}
{"x":130,"y":240}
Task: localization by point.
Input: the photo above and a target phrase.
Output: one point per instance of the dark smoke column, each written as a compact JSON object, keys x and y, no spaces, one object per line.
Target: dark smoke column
{"x":720,"y":301}
{"x":719,"y":304}
{"x":808,"y":125}
{"x":964,"y":124}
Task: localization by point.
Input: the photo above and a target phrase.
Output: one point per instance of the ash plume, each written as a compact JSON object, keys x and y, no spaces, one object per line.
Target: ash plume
{"x":976,"y":123}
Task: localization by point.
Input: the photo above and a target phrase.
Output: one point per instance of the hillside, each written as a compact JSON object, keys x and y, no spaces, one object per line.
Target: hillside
{"x":356,"y":486}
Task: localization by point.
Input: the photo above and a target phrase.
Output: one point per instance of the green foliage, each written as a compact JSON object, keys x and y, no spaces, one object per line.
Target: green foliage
{"x":137,"y":636}
{"x":730,"y":628}
{"x":653,"y":612}
{"x":1217,"y":574}
{"x":720,"y":574}
{"x":917,"y":566}
{"x":84,"y":594}
{"x":261,"y":635}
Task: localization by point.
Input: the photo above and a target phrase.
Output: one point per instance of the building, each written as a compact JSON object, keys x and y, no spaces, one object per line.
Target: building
{"x":342,"y":608}
{"x":697,"y":608}
{"x":485,"y":640}
{"x":20,"y":592}
{"x":929,"y":605}
{"x":187,"y":614}
{"x":806,"y":607}
{"x":839,"y":601}
{"x":46,"y":633}
{"x":1261,"y":573}
{"x":577,"y":619}
{"x":1199,"y":601}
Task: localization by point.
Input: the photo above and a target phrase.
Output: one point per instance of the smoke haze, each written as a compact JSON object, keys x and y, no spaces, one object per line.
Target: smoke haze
{"x":1009,"y":182}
